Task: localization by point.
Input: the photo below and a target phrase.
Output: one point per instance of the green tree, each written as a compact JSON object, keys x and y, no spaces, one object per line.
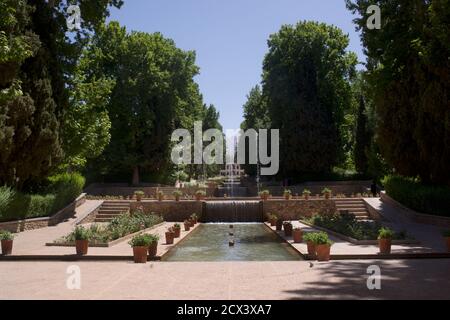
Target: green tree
{"x":409,"y":74}
{"x":306,"y":81}
{"x":36,"y":61}
{"x":154,"y":93}
{"x":362,"y":142}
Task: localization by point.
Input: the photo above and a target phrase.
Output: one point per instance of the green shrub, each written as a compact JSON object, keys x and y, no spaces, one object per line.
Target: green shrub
{"x":81,"y":233}
{"x":386,"y":233}
{"x":6,"y":196}
{"x":141,"y":240}
{"x":66,"y":187}
{"x":348,"y":225}
{"x":6,"y":235}
{"x":412,"y":194}
{"x":321,"y":238}
{"x":446,"y":234}
{"x":310,"y":237}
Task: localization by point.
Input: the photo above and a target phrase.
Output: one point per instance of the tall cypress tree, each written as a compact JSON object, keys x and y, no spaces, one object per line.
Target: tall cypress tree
{"x":362,"y":138}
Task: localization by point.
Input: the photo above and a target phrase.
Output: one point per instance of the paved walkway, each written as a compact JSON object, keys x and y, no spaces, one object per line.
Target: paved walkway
{"x":33,"y":242}
{"x":405,"y":279}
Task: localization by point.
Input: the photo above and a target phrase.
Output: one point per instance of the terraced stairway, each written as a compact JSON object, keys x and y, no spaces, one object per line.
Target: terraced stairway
{"x":111,"y":209}
{"x":355,"y":206}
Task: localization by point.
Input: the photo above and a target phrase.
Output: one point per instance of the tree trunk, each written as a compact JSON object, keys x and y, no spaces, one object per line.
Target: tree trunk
{"x":136,"y":179}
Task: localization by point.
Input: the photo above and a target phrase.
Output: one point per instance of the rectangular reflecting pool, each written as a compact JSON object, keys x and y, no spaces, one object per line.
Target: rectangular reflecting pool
{"x":252,"y":242}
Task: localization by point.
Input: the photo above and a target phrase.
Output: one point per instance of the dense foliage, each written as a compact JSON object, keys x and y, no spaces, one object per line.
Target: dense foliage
{"x":61,"y":190}
{"x":417,"y":196}
{"x":409,"y":75}
{"x":348,"y":225}
{"x":36,"y":66}
{"x":118,"y":228}
{"x":153,"y":94}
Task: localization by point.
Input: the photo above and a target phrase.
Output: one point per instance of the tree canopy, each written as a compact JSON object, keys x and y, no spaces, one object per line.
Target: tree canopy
{"x":409,"y":74}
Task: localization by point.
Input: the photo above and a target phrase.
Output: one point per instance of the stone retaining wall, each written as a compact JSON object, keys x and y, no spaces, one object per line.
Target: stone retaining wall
{"x":296,"y":209}
{"x":172,"y":211}
{"x":418,"y":217}
{"x":39,"y":223}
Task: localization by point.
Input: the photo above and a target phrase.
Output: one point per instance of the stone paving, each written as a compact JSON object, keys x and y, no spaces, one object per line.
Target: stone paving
{"x":400,"y":279}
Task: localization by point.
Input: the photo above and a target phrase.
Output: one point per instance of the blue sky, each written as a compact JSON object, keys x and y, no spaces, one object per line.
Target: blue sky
{"x":230,"y":38}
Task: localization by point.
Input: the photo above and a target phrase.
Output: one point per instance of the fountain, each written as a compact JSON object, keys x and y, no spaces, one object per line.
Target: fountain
{"x":233,"y":211}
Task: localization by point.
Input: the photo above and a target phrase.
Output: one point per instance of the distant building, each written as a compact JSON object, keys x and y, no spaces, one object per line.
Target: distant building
{"x":232,"y":170}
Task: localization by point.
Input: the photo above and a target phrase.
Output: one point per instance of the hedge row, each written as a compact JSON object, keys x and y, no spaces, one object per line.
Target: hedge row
{"x":421,"y":198}
{"x":62,"y":190}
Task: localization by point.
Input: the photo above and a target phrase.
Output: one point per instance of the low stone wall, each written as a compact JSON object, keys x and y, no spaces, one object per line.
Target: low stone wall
{"x":171,"y":211}
{"x":39,"y":223}
{"x":418,"y":217}
{"x":117,"y":190}
{"x":296,"y":209}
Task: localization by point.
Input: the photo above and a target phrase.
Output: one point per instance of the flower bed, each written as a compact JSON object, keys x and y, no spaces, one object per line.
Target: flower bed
{"x":119,"y":227}
{"x":349,"y":226}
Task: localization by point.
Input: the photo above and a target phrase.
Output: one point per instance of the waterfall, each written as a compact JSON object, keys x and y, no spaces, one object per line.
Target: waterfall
{"x":232,"y":211}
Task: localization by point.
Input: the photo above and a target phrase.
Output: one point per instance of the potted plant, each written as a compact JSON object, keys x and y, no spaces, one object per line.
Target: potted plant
{"x":385,"y":236}
{"x":272,"y":219}
{"x":200,"y":195}
{"x":297,"y":234}
{"x":323,"y":246}
{"x":177,"y":194}
{"x":279,"y":224}
{"x":7,"y":239}
{"x":81,"y":236}
{"x":177,"y":230}
{"x":153,"y":246}
{"x":306,"y":194}
{"x":287,"y":194}
{"x":170,"y":235}
{"x":327,"y":193}
{"x":187,"y":225}
{"x":264,"y":195}
{"x":194,"y":218}
{"x":309,"y":238}
{"x":160,"y":195}
{"x":139,"y":195}
{"x":446,"y":235}
{"x":140,"y":244}
{"x":287,"y":229}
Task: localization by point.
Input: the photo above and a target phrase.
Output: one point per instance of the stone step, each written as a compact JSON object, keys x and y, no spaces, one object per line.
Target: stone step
{"x":98,"y":220}
{"x":115,"y":208}
{"x":108,"y":203}
{"x":107,"y":216}
{"x":116,"y":212}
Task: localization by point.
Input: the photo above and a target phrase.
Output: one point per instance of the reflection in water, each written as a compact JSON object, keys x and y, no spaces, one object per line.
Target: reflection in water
{"x":252,"y":242}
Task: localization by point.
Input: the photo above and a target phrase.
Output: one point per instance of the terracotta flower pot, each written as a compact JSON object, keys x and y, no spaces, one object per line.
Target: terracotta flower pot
{"x":169,"y":237}
{"x":177,"y":198}
{"x":298,"y":236}
{"x":327,"y":196}
{"x":279,"y":225}
{"x":264,"y":197}
{"x":7,"y":246}
{"x":82,"y":247}
{"x":199,"y":197}
{"x":311,"y":249}
{"x":177,"y":232}
{"x":323,"y":252}
{"x":273,"y":222}
{"x":447,"y":240}
{"x":153,"y":250}
{"x":287,"y":197}
{"x":385,"y":246}
{"x":140,"y":254}
{"x":187,"y":226}
{"x":160,"y":197}
{"x":287,"y":230}
{"x":195,"y":220}
{"x":191,"y":223}
{"x":138,"y":197}
{"x":306,"y":196}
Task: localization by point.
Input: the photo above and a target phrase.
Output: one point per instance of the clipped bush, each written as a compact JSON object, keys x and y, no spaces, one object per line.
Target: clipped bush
{"x":66,"y":187}
{"x":416,"y":196}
